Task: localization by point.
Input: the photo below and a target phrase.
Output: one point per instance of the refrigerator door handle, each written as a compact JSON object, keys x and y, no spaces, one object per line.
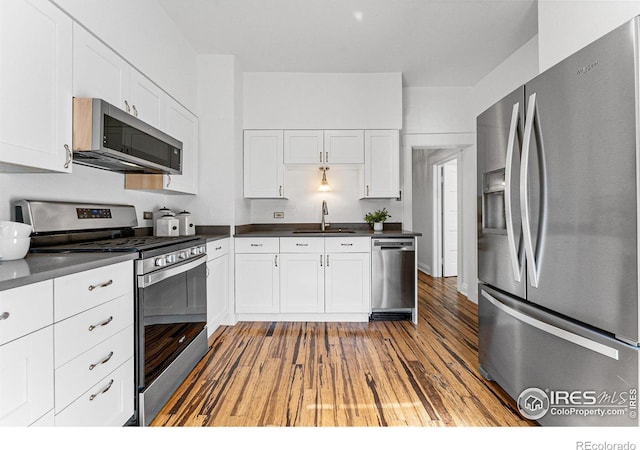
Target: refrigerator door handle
{"x":524,"y":193}
{"x":513,"y":250}
{"x":558,"y":332}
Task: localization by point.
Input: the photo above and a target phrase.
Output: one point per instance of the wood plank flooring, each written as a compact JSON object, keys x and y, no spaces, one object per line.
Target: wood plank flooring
{"x":376,"y":374}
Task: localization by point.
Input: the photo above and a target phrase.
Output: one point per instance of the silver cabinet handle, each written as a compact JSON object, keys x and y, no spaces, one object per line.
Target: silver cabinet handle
{"x":135,"y":110}
{"x":347,"y":245}
{"x":276,"y":260}
{"x":327,"y":260}
{"x":101,"y":324}
{"x":524,"y":192}
{"x":513,"y":251}
{"x":4,"y":316}
{"x":126,"y":104}
{"x":367,"y":190}
{"x":218,"y":248}
{"x":101,"y":285}
{"x":280,"y":191}
{"x":208,"y":272}
{"x":320,"y":156}
{"x":301,"y":245}
{"x":256,"y":245}
{"x":326,"y":157}
{"x":93,"y":396}
{"x":320,"y":260}
{"x":168,"y":180}
{"x":106,"y":360}
{"x":68,"y":161}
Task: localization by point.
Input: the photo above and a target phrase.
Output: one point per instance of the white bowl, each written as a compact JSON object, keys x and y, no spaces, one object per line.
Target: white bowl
{"x":14,"y":230}
{"x":16,"y":248}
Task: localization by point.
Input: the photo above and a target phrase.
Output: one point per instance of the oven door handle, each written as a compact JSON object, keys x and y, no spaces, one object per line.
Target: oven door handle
{"x":156,"y":277}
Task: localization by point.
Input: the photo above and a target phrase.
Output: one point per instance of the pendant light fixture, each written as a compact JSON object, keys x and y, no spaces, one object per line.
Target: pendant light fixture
{"x":324,"y":184}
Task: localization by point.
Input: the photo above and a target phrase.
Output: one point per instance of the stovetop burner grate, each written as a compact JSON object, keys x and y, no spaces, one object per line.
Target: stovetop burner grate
{"x":127,"y":244}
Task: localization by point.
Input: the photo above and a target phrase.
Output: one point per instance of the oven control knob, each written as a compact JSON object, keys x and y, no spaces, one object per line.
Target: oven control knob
{"x":171,"y":259}
{"x":182,"y":255}
{"x":161,"y":262}
{"x":202,"y":250}
{"x":194,"y":251}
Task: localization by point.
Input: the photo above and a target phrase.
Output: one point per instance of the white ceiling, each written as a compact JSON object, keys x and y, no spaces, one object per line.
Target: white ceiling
{"x":432,"y":42}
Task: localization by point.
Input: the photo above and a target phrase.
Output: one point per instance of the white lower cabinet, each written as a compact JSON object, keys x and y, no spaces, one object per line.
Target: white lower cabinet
{"x":301,"y":282}
{"x":347,"y":282}
{"x":26,"y":378}
{"x":257,"y":283}
{"x":217,"y":283}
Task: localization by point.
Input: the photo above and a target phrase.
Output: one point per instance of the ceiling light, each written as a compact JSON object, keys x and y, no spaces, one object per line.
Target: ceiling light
{"x":358,"y":15}
{"x":324,"y":184}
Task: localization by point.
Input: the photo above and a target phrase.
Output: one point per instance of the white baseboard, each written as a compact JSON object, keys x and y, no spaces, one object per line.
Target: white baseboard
{"x":424,"y":268}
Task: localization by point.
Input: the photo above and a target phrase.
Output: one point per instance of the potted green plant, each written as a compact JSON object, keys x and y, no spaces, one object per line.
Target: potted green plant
{"x":376,"y":218}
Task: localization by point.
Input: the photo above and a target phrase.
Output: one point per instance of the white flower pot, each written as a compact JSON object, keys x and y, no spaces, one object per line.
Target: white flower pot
{"x":377,"y":226}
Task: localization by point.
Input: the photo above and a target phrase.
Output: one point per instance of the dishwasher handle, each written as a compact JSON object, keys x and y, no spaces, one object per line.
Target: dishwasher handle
{"x":393,"y":244}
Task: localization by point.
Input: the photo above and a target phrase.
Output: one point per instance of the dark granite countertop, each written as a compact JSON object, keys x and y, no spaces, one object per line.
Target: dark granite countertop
{"x":313,"y":230}
{"x":37,"y":267}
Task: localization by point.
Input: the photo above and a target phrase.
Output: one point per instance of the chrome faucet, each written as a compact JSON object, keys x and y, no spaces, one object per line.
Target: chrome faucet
{"x":325,"y":211}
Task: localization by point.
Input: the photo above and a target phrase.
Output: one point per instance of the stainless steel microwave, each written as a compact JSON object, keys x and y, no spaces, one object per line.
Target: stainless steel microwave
{"x":106,"y":137}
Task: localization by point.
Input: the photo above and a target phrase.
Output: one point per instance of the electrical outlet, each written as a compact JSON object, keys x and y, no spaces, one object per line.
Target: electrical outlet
{"x":278,"y":215}
{"x":147,"y":215}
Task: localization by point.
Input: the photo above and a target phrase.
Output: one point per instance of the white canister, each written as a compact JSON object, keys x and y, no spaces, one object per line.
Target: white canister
{"x":185,"y":225}
{"x":158,"y":214}
{"x":167,"y":226}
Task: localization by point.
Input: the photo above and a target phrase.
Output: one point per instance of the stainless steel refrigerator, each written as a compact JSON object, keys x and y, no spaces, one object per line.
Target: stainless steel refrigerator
{"x":558,"y":247}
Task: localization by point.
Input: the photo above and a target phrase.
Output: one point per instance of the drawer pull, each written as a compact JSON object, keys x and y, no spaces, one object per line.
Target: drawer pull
{"x":347,"y":245}
{"x":302,"y":245}
{"x":105,"y":284}
{"x":218,"y":248}
{"x":102,"y":324}
{"x":106,"y":360}
{"x":102,"y":391}
{"x":4,"y":316}
{"x":256,"y":245}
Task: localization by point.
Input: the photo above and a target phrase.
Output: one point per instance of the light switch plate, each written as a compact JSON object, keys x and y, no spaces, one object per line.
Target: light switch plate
{"x":278,"y":215}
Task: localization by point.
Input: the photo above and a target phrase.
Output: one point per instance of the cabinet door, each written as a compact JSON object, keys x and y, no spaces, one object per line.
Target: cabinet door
{"x":344,"y":146}
{"x":217,"y":291}
{"x":303,"y":147}
{"x":257,"y":283}
{"x":301,"y":282}
{"x":347,"y":282}
{"x":382,"y":164}
{"x":180,"y":123}
{"x":98,"y":71}
{"x":35,"y":87}
{"x":147,"y":100}
{"x":26,"y":378}
{"x":263,"y":164}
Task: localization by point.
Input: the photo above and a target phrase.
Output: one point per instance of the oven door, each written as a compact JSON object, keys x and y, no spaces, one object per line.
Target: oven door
{"x":171,"y":314}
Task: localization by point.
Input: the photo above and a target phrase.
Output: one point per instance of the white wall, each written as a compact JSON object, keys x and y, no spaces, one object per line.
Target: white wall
{"x":564,"y":27}
{"x":436,"y":110}
{"x":143,"y":34}
{"x":322,"y":100}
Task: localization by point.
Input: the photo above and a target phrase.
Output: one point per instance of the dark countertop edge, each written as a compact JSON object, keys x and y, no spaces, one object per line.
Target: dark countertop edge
{"x":76,"y":262}
{"x":213,"y":237}
{"x":373,"y":234}
{"x":391,"y":229}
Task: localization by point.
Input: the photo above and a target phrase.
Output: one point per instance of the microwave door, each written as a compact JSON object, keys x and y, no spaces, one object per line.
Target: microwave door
{"x":500,"y":251}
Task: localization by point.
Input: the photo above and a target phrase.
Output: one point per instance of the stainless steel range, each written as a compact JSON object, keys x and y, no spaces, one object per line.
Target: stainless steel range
{"x":170,"y":284}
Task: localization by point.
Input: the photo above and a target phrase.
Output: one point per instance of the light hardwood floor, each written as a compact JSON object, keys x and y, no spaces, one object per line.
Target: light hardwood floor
{"x":384,"y":373}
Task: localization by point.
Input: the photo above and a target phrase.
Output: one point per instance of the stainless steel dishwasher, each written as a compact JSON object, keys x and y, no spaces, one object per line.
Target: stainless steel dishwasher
{"x":393,"y":278}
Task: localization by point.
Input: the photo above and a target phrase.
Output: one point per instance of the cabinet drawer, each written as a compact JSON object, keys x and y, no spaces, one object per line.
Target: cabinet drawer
{"x":81,"y":332}
{"x":301,"y":245}
{"x":81,"y":291}
{"x":87,"y":369}
{"x":26,"y":378}
{"x":217,"y":248}
{"x":347,"y":245}
{"x":257,"y":245}
{"x":25,"y":309}
{"x":107,"y":403}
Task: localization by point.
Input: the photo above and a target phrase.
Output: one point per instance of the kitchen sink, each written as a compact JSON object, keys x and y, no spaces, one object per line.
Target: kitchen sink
{"x":334,"y":231}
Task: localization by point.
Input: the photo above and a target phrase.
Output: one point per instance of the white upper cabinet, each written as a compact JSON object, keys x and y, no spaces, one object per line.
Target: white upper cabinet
{"x":303,"y":147}
{"x":344,"y":146}
{"x":147,"y":100}
{"x":382,"y":164}
{"x":263,"y":164}
{"x":35,"y":87}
